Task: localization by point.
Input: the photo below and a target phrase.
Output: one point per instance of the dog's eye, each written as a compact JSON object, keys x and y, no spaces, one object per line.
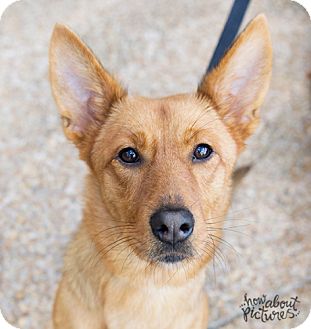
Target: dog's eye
{"x":202,"y":152}
{"x":129,"y":155}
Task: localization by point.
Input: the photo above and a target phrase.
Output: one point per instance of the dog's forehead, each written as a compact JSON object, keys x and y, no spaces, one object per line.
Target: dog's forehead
{"x":176,"y":112}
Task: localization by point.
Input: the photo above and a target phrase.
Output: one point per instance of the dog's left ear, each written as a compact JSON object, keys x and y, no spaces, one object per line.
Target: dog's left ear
{"x":239,"y":83}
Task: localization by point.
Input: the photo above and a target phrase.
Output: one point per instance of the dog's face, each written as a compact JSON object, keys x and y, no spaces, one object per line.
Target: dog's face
{"x":161,"y":169}
{"x":164,"y":166}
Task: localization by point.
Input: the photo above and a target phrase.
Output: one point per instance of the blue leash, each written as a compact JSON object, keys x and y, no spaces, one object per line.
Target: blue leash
{"x":229,"y":32}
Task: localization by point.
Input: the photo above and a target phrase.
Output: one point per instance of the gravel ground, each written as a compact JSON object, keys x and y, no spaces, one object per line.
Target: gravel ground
{"x":156,"y":48}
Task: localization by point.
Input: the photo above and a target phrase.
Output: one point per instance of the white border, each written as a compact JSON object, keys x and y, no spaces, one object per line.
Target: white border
{"x":306,"y":4}
{"x":5,"y":325}
{"x":3,"y":5}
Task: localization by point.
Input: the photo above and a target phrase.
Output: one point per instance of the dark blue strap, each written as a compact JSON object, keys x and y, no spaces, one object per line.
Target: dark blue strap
{"x":230,"y":31}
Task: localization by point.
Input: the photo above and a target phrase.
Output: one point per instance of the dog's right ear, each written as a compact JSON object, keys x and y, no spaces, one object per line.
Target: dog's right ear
{"x":84,"y":91}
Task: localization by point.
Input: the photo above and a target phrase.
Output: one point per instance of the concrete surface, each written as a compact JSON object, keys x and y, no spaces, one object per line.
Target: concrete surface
{"x":156,"y":48}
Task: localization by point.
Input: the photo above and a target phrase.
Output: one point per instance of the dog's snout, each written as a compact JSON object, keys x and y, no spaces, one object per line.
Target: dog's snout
{"x":172,"y":225}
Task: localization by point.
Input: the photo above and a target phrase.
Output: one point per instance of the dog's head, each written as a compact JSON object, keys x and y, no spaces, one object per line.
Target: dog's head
{"x":160,"y":169}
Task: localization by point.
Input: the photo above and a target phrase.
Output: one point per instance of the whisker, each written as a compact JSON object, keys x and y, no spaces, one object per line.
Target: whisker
{"x":232,"y":230}
{"x":118,"y":230}
{"x":126,"y":247}
{"x":129,"y":254}
{"x":225,"y":243}
{"x":212,"y":253}
{"x":112,"y":245}
{"x":225,"y":227}
{"x":186,"y":276}
{"x":217,"y":250}
{"x":118,"y":244}
{"x":233,"y":219}
{"x":171,"y":277}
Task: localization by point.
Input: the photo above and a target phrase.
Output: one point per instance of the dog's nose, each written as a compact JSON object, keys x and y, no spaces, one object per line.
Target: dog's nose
{"x":172,"y":225}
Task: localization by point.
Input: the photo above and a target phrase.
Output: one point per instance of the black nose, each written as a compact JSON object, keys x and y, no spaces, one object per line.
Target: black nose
{"x":172,"y":225}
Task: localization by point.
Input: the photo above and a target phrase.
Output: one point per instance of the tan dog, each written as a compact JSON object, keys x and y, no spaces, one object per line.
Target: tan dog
{"x":159,"y":184}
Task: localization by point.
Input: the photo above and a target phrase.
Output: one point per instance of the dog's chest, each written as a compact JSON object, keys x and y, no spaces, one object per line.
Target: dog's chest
{"x":150,"y":307}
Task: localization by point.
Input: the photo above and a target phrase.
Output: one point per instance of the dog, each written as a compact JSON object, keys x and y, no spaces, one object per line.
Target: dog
{"x":159,"y":183}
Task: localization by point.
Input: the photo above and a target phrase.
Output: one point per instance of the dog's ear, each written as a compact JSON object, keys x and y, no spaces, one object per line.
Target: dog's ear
{"x":84,"y":91}
{"x":239,"y":83}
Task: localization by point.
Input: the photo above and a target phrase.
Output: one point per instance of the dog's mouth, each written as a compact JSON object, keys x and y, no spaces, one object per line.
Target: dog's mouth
{"x":169,"y":255}
{"x":172,"y":258}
